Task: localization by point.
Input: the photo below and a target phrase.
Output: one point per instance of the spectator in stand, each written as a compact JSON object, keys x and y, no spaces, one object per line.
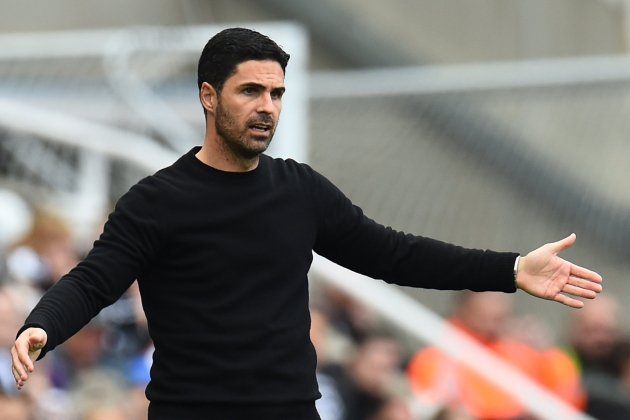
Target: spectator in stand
{"x":558,"y":372}
{"x":330,"y":405}
{"x":83,"y":351}
{"x":443,"y":382}
{"x":45,"y":254}
{"x":348,"y":316}
{"x":371,"y":378}
{"x":594,"y":332}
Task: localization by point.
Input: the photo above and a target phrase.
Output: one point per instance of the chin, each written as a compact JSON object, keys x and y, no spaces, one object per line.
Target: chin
{"x":259,"y":146}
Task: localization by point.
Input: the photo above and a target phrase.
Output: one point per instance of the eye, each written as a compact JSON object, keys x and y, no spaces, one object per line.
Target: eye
{"x":277,"y":94}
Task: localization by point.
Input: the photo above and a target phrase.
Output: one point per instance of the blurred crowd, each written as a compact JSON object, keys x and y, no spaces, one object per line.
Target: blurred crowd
{"x":366,"y":369}
{"x":98,"y":374}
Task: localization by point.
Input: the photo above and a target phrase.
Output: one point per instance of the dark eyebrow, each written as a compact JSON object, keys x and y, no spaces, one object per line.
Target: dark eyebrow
{"x":280,"y":89}
{"x":252,"y":85}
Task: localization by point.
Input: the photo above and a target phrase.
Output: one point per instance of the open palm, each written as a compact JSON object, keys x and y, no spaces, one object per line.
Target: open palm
{"x":542,"y":273}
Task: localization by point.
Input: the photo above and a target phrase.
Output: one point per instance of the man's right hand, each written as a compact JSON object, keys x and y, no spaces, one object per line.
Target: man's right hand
{"x":25,"y":351}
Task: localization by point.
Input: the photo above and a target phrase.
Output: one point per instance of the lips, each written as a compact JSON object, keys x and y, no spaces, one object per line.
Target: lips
{"x":260,"y":127}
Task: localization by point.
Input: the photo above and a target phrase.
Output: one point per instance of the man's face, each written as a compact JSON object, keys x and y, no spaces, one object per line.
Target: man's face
{"x":486,"y":313}
{"x":249,"y":106}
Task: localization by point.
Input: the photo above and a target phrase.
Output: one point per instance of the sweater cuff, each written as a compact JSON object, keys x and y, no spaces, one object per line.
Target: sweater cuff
{"x":497,"y":273}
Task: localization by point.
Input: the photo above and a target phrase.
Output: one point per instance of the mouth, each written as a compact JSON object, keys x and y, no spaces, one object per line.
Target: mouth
{"x":261,"y":128}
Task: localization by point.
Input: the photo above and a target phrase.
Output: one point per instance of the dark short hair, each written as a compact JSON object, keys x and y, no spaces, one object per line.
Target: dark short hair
{"x":229,"y":48}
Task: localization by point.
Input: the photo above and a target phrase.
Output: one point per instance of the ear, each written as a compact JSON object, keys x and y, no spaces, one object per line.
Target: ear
{"x":208,"y":97}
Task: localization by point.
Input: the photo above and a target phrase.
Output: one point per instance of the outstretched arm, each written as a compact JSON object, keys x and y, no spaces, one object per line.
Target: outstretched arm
{"x":542,"y":273}
{"x":25,"y":351}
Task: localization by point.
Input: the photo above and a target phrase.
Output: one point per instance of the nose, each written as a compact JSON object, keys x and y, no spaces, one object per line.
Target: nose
{"x":266,"y":104}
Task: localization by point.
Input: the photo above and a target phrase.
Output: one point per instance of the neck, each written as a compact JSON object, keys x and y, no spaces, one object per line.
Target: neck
{"x":216,"y":154}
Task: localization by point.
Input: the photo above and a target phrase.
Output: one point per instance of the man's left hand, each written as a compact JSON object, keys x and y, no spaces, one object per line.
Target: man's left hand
{"x":542,"y":273}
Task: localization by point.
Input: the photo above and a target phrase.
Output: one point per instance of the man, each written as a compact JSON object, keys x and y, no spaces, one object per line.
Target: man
{"x":594,"y":335}
{"x":221,"y":243}
{"x":443,"y":381}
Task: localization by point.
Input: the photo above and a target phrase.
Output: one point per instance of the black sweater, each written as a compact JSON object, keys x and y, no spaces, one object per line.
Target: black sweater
{"x":222,"y":261}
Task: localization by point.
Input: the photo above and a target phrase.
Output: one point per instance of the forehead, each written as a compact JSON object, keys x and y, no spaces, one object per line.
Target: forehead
{"x":266,"y":72}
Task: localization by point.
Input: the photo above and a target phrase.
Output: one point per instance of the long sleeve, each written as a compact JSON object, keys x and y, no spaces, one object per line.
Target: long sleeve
{"x":129,"y":243}
{"x":349,"y":238}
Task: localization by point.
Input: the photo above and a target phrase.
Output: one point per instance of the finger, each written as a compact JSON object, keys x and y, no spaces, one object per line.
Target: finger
{"x":19,"y":381}
{"x":21,"y":349}
{"x":569,"y":301}
{"x":563,"y":244}
{"x":585,"y":273}
{"x":578,"y":291}
{"x":585,"y":284}
{"x":16,"y":375}
{"x":17,"y":365}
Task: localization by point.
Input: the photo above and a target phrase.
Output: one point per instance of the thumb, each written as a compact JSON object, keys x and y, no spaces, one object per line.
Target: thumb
{"x":563,"y":244}
{"x":36,"y":343}
{"x":36,"y":340}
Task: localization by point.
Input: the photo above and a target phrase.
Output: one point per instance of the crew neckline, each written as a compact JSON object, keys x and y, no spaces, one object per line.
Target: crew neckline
{"x":208,"y":170}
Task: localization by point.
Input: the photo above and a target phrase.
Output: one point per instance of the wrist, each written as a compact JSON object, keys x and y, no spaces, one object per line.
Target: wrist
{"x":516,"y":265}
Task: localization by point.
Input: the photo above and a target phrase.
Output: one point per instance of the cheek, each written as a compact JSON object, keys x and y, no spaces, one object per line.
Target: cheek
{"x":241,"y":115}
{"x":232,"y":107}
{"x":226,"y":117}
